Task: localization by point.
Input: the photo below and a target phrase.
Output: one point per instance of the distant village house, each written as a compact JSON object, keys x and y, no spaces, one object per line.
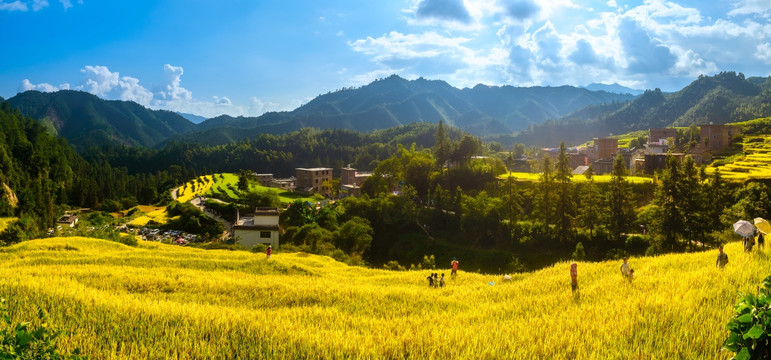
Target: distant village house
{"x":260,"y":228}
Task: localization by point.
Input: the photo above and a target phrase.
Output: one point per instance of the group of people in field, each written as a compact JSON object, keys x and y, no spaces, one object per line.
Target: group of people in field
{"x":435,"y":281}
{"x":749,"y":242}
{"x":628,"y":273}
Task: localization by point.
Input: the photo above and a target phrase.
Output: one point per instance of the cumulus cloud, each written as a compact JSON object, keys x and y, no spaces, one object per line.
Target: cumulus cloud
{"x":396,"y":45}
{"x":520,"y":9}
{"x":644,"y":54}
{"x":764,"y":52}
{"x":584,"y":53}
{"x":751,"y":7}
{"x":172,"y":89}
{"x":451,"y":10}
{"x":36,"y":5}
{"x":14,"y":6}
{"x":44,"y":87}
{"x":39,"y":4}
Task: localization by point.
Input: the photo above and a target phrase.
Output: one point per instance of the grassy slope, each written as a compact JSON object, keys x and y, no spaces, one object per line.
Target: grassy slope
{"x":232,"y":179}
{"x":160,"y":301}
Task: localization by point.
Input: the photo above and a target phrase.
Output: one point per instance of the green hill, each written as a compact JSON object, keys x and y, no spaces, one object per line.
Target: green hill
{"x":85,"y":120}
{"x":394,"y":101}
{"x":723,"y":98}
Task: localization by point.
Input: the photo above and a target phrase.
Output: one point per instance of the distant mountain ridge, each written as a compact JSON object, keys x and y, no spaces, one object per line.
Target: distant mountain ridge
{"x":394,"y":101}
{"x":86,"y":120}
{"x":613,"y":88}
{"x":195,"y":119}
{"x":719,"y":99}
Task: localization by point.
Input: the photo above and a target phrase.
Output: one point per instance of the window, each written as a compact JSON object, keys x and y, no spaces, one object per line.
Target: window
{"x":264,"y":234}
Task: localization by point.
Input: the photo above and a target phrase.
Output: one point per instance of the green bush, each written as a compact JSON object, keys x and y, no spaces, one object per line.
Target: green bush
{"x":24,"y":341}
{"x":750,"y":325}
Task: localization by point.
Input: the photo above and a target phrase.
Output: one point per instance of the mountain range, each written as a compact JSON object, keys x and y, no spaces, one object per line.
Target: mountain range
{"x":533,"y":115}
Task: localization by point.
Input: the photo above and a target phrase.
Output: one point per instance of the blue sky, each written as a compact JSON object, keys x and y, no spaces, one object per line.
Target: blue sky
{"x":245,"y":57}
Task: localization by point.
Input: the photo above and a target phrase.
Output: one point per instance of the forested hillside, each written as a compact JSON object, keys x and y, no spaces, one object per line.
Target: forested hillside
{"x":85,"y":120}
{"x":394,"y":101}
{"x":723,"y":98}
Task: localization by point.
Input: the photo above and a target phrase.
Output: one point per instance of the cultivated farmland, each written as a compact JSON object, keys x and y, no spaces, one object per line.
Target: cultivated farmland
{"x":158,"y":301}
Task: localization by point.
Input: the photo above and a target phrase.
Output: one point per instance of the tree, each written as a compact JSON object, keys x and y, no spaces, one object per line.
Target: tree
{"x":669,"y":219}
{"x":565,"y":206}
{"x":354,"y":236}
{"x":591,"y":207}
{"x":544,"y":195}
{"x":620,"y":202}
{"x":441,"y":146}
{"x":243,"y":180}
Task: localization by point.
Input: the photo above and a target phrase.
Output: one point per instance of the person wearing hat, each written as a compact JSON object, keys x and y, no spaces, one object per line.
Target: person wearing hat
{"x":454,"y":264}
{"x":268,"y":251}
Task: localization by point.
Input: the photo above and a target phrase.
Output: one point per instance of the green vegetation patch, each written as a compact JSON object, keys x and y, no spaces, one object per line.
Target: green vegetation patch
{"x":5,"y":221}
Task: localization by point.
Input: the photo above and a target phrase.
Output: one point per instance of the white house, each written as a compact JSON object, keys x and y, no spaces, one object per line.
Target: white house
{"x":260,"y":228}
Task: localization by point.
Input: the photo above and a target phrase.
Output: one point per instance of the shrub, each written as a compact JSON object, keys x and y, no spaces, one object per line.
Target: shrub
{"x":579,"y":254}
{"x":429,"y":262}
{"x":750,"y":325}
{"x":23,"y":341}
{"x":393,"y":265}
{"x":636,"y":244}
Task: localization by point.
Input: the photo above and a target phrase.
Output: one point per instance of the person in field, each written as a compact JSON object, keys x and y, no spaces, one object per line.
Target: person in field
{"x":631,"y":275}
{"x":761,"y":240}
{"x":748,"y":242}
{"x":625,"y":268}
{"x":454,"y":264}
{"x":268,"y":251}
{"x":436,"y":279}
{"x":430,"y":280}
{"x":441,"y":281}
{"x":722,"y":258}
{"x":574,"y":277}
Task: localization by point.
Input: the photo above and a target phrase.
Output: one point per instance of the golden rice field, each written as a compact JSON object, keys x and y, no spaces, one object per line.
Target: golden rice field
{"x":526,"y":176}
{"x":185,"y":192}
{"x":754,"y":163}
{"x":154,"y":213}
{"x":168,"y":302}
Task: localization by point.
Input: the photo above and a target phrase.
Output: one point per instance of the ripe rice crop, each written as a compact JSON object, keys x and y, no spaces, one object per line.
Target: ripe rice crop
{"x":160,"y":301}
{"x":186,"y":192}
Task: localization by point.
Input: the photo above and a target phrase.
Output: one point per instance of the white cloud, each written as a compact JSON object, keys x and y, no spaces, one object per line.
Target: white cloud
{"x":612,"y":3}
{"x":764,"y":52}
{"x":396,"y":45}
{"x":14,"y":6}
{"x":172,"y":89}
{"x":44,"y":87}
{"x":751,"y":7}
{"x":39,"y":4}
{"x":66,"y":4}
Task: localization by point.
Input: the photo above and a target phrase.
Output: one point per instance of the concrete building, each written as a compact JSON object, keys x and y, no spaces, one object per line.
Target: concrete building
{"x":264,"y":179}
{"x":660,"y":136}
{"x":260,"y":228}
{"x":604,"y":148}
{"x":310,"y":180}
{"x":718,"y":137}
{"x":351,"y":176}
{"x":578,"y":159}
{"x":284,"y":184}
{"x":602,"y":166}
{"x":68,"y":220}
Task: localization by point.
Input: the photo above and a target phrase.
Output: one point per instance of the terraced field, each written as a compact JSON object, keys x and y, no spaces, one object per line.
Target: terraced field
{"x":753,"y":163}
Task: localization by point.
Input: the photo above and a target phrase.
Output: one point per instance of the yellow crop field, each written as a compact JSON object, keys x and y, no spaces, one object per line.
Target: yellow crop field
{"x":186,"y":193}
{"x":525,"y":176}
{"x":160,"y":301}
{"x":154,"y":213}
{"x":754,"y":163}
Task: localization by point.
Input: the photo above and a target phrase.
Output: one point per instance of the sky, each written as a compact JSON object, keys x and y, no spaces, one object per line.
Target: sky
{"x":246,"y":57}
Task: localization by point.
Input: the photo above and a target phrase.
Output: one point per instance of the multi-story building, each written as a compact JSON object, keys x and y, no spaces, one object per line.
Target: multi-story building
{"x":718,"y":137}
{"x":311,"y":180}
{"x":264,"y":179}
{"x":660,"y":136}
{"x":260,"y":228}
{"x":604,"y":148}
